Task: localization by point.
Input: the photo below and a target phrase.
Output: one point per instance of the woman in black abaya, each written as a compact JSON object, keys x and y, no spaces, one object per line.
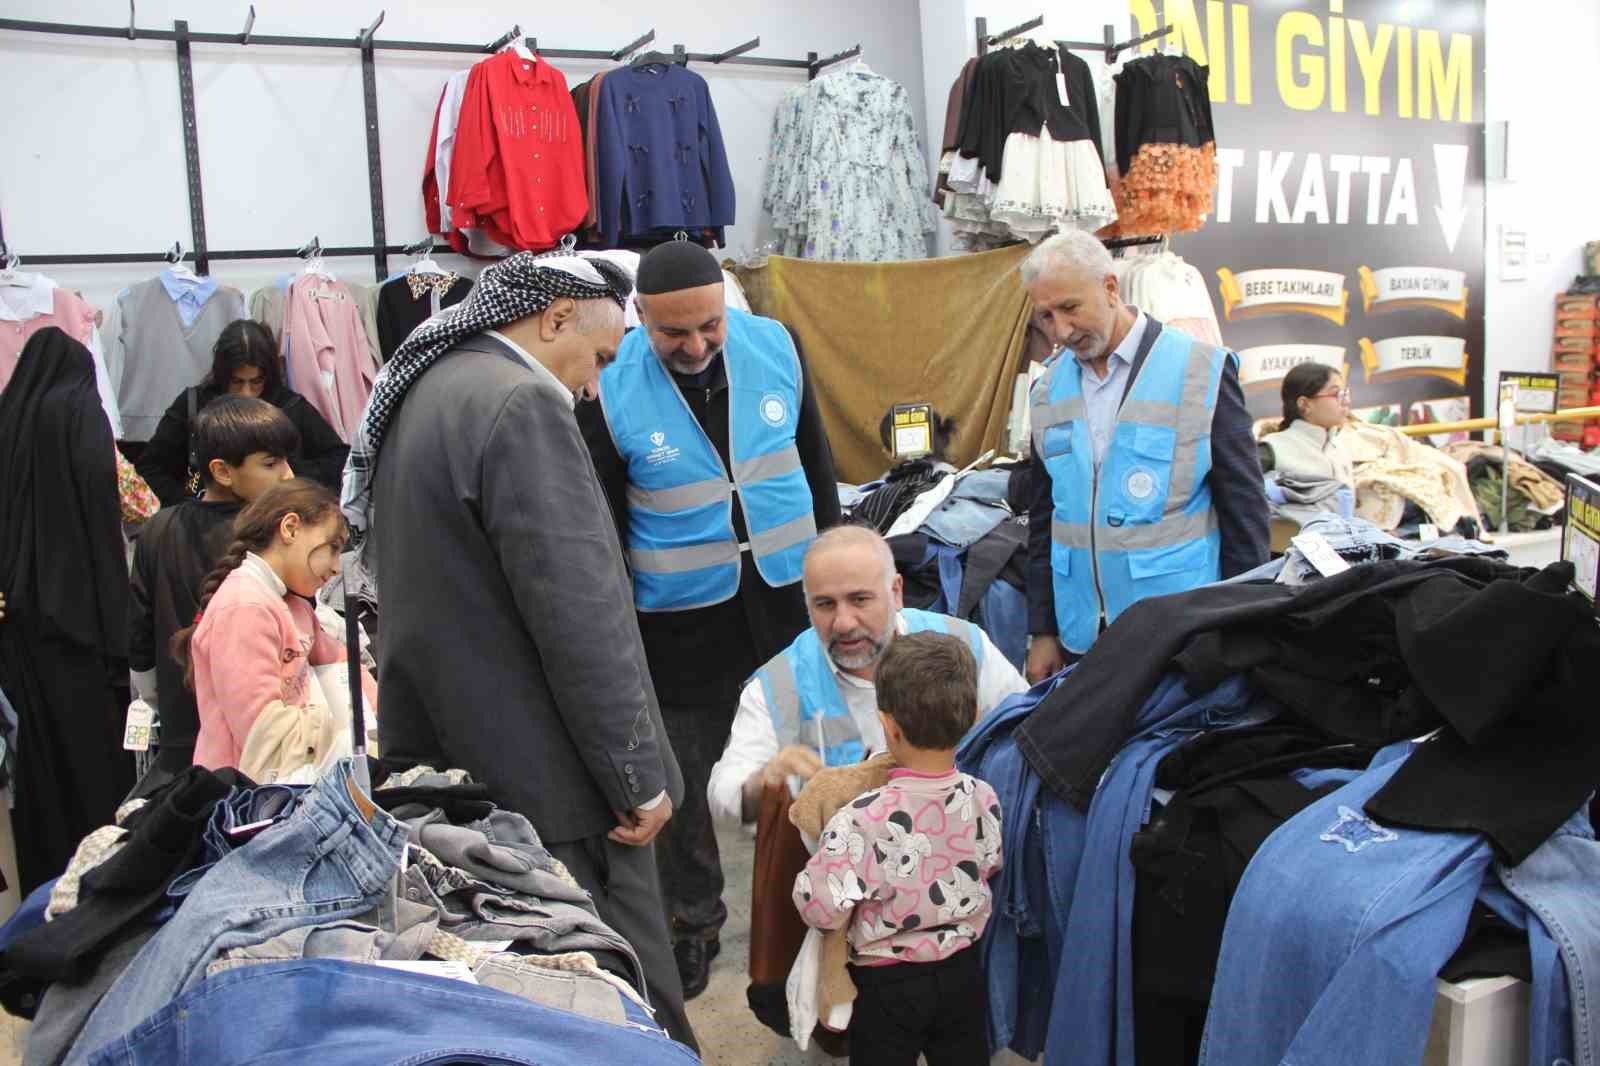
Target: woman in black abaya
{"x":63,"y":643}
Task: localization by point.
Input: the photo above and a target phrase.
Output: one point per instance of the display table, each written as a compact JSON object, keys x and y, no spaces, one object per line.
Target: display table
{"x":1482,"y":1021}
{"x":1537,"y":549}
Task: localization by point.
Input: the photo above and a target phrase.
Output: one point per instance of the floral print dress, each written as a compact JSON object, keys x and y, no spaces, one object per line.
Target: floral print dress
{"x":847,"y":177}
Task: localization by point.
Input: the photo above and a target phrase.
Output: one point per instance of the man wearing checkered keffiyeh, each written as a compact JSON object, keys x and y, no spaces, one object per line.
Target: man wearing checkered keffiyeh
{"x":508,"y":643}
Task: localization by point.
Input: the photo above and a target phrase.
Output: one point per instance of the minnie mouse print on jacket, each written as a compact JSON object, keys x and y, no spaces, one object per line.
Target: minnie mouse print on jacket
{"x":912,"y":862}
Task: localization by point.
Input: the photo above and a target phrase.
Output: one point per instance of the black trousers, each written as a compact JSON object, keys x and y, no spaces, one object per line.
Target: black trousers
{"x":623,"y":882}
{"x":686,"y":850}
{"x":938,"y":1009}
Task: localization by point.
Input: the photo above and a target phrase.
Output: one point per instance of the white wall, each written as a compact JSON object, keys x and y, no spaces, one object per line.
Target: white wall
{"x":93,"y":160}
{"x":1537,"y":77}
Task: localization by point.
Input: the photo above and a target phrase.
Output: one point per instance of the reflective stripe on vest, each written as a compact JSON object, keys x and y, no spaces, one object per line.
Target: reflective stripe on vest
{"x":804,"y":698}
{"x":680,"y":535}
{"x":1141,"y":524}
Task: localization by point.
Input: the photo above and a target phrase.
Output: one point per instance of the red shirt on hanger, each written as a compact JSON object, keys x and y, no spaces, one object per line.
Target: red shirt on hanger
{"x":517,"y":168}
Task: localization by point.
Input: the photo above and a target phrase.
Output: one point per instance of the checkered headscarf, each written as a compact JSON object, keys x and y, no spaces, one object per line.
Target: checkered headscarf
{"x":512,"y":289}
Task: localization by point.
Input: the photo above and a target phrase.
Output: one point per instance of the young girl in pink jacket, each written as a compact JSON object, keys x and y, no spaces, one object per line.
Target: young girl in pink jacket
{"x":252,"y":653}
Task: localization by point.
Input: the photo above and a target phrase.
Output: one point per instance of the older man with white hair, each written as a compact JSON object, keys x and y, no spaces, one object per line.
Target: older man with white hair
{"x":1148,"y":480}
{"x":814,"y":704}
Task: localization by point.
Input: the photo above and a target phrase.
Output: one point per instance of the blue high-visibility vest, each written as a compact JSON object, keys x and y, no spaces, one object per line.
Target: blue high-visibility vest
{"x":1141,"y":525}
{"x":680,"y":535}
{"x":803,"y":694}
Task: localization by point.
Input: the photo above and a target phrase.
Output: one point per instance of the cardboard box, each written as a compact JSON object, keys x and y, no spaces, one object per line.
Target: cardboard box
{"x":1577,"y":327}
{"x":1580,"y":362}
{"x":1568,"y":431}
{"x":1577,"y":306}
{"x":1582,"y":343}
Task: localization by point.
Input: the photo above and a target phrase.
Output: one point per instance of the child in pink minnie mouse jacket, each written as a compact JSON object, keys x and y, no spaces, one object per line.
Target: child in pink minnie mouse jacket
{"x":908,"y":867}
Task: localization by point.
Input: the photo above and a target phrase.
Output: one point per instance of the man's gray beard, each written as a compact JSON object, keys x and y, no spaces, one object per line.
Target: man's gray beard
{"x":880,"y":644}
{"x":711,"y":358}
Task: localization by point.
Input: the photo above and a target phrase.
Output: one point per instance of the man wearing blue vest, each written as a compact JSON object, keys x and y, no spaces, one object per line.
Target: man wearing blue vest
{"x":814,"y":703}
{"x":1147,"y":480}
{"x":709,"y":445}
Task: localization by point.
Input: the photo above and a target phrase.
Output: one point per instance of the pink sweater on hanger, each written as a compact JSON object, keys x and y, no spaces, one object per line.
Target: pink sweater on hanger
{"x":329,"y":361}
{"x":34,"y":309}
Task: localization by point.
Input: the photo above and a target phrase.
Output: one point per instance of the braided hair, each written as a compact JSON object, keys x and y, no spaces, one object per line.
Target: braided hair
{"x":254,"y":531}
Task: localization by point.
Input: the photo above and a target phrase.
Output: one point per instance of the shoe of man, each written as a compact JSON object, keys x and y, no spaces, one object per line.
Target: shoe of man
{"x":694,"y":963}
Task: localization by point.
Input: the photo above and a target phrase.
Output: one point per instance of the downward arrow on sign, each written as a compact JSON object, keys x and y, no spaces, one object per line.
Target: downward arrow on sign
{"x":1450,"y":166}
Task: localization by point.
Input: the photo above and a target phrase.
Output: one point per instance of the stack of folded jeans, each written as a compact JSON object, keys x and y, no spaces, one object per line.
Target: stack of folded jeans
{"x":275,"y":894}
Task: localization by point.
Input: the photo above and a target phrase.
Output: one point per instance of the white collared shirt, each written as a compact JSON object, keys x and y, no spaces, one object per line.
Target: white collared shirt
{"x":18,"y":303}
{"x":262,"y":571}
{"x":539,"y":369}
{"x":1102,"y":397}
{"x":753,"y":740}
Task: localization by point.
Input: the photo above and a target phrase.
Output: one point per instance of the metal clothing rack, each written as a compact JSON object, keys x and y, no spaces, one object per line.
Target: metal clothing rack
{"x":1110,"y":45}
{"x":1112,"y":48}
{"x":1113,"y":243}
{"x":367,"y":44}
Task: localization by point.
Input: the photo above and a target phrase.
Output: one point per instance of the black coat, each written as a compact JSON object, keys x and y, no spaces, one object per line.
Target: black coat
{"x":704,"y":656}
{"x":164,"y":463}
{"x":63,"y":648}
{"x":509,"y":643}
{"x":1237,"y":495}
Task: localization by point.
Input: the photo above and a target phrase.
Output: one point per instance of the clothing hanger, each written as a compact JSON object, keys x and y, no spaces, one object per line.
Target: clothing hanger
{"x":425,"y":264}
{"x":178,"y":268}
{"x":11,"y":275}
{"x":652,"y":58}
{"x":311,"y":252}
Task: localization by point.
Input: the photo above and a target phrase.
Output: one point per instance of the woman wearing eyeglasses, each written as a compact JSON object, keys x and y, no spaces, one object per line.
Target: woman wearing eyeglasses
{"x":1316,"y":405}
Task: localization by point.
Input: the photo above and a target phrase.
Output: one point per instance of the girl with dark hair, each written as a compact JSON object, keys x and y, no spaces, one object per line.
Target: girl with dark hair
{"x":1316,"y":405}
{"x":244,"y":363}
{"x":251,"y":654}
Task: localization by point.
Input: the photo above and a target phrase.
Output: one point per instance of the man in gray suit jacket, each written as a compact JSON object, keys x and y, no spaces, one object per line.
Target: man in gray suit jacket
{"x":509,"y":644}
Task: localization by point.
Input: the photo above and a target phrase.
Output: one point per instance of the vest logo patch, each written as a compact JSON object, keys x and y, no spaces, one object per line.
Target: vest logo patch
{"x":774,"y":412}
{"x":1140,"y":484}
{"x":663,"y":453}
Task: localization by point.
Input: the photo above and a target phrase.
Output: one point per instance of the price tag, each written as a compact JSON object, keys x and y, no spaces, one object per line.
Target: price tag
{"x":1320,"y":553}
{"x":456,"y":971}
{"x":913,"y":430}
{"x":1508,"y":408}
{"x":1061,"y":89}
{"x":136,"y":731}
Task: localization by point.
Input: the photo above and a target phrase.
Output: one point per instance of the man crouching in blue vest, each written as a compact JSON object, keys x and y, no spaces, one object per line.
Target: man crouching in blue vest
{"x":814,"y":704}
{"x":1147,"y":479}
{"x":709,"y":445}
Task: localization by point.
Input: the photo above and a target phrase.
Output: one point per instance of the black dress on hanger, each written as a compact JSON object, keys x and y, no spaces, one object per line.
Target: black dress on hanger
{"x":63,"y":569}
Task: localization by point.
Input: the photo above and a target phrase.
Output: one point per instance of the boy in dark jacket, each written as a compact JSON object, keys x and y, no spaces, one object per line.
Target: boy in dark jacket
{"x":242,"y":447}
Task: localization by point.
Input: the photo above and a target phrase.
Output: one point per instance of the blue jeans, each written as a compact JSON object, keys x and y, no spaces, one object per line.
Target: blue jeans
{"x":1018,"y":961}
{"x":1557,"y":884}
{"x":1550,"y":1020}
{"x":239,"y":807}
{"x":351,"y":1014}
{"x":1336,"y":934}
{"x":323,"y":863}
{"x":1091,"y":1020}
{"x":974,"y":507}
